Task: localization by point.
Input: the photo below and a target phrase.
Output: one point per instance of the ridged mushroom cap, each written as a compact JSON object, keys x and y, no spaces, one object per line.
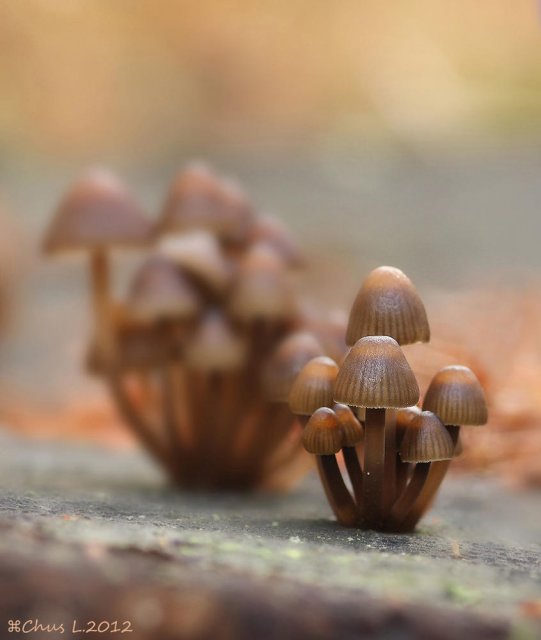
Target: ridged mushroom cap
{"x":262,"y":288}
{"x":456,"y":397}
{"x":191,"y":202}
{"x":323,"y":434}
{"x":272,"y":231}
{"x":404,"y":417}
{"x":376,"y":375}
{"x":286,"y":362}
{"x":199,"y":254}
{"x":97,"y":212}
{"x":388,"y":305}
{"x":353,"y":432}
{"x":426,"y":440}
{"x":313,"y":387}
{"x":160,"y":290}
{"x":215,"y":347}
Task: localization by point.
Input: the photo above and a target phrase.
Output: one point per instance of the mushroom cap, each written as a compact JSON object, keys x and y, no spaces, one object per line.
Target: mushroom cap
{"x":313,"y":387}
{"x":284,"y":365}
{"x":376,"y":375}
{"x":199,"y":199}
{"x":262,"y":288}
{"x":97,"y":212}
{"x":160,"y":290}
{"x":456,"y":397}
{"x":426,"y":440}
{"x":272,"y":231}
{"x":323,"y":434}
{"x":351,"y":427}
{"x":215,"y":347}
{"x":191,"y":202}
{"x":388,"y":305}
{"x":199,"y":254}
{"x":407,"y":415}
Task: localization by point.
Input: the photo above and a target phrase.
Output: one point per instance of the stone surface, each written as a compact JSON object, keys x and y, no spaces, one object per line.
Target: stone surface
{"x":91,"y":533}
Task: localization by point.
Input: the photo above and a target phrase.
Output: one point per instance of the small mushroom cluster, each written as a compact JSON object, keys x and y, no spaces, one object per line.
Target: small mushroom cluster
{"x":184,"y":351}
{"x":396,"y":454}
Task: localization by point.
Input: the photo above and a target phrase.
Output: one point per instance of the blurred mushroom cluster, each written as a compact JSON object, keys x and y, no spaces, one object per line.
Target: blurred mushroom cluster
{"x":395,"y":453}
{"x":198,"y":352}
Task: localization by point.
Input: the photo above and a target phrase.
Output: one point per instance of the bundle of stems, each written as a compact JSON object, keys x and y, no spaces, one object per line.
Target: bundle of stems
{"x":396,"y":454}
{"x":195,"y":352}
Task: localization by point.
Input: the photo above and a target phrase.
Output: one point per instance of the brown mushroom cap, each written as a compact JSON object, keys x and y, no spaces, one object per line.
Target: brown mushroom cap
{"x":313,"y":387}
{"x":353,"y":432}
{"x":272,"y":231}
{"x":375,"y":374}
{"x":160,"y":290}
{"x":262,"y":288}
{"x":456,"y":397}
{"x":426,"y":440}
{"x":323,"y":434}
{"x":191,"y":202}
{"x":200,"y":255}
{"x":215,"y":347}
{"x":388,"y":305}
{"x":286,"y":362}
{"x":96,"y":213}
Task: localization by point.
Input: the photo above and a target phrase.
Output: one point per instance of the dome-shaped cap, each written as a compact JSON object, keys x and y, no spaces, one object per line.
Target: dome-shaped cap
{"x":215,"y":347}
{"x":262,"y":288}
{"x":351,"y":427}
{"x":199,"y":254}
{"x":313,"y":387}
{"x":388,"y":305}
{"x":375,"y":374}
{"x":192,"y":201}
{"x":456,"y":397}
{"x":286,"y":362}
{"x":272,"y":231}
{"x":97,"y":212}
{"x":426,"y":440}
{"x":323,"y":434}
{"x":160,"y":290}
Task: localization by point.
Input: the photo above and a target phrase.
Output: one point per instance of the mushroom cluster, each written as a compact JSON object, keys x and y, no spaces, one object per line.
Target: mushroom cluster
{"x":196,"y":351}
{"x":395,"y":453}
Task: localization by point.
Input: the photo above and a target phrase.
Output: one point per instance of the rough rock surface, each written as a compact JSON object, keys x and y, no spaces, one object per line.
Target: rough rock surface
{"x":91,"y":535}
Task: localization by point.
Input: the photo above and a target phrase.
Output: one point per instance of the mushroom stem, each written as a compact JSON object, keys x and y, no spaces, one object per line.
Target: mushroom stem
{"x":138,"y":425}
{"x":337,"y":493}
{"x":408,"y":497}
{"x":438,"y":471}
{"x":355,"y":473}
{"x":102,"y":303}
{"x":390,"y":490}
{"x":374,"y":467}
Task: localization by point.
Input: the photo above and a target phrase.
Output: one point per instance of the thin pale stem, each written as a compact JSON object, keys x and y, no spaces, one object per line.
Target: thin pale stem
{"x":408,"y":497}
{"x":355,"y":473}
{"x":374,"y":467}
{"x":101,"y":299}
{"x":138,"y":424}
{"x":337,"y":493}
{"x":389,"y":490}
{"x":437,"y":474}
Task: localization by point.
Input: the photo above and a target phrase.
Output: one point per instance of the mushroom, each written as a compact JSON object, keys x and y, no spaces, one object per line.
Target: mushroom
{"x":375,"y":375}
{"x":313,"y":387}
{"x":272,"y":231}
{"x":425,"y":441}
{"x":324,"y":437}
{"x":161,"y":292}
{"x":388,"y":304}
{"x":285,"y":363}
{"x":353,"y":435}
{"x":96,"y":215}
{"x":199,"y":254}
{"x":457,"y":398}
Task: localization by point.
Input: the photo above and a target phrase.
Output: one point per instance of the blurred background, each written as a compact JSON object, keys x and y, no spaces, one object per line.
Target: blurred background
{"x":382,"y":133}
